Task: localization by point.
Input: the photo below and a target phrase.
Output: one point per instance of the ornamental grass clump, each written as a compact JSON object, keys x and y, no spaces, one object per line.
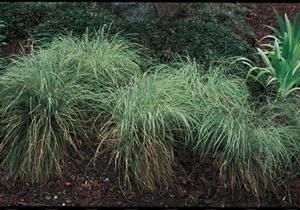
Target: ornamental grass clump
{"x":147,"y":118}
{"x":50,"y":99}
{"x":42,"y":108}
{"x":250,"y":148}
{"x":286,"y":112}
{"x":107,"y":62}
{"x":206,"y":110}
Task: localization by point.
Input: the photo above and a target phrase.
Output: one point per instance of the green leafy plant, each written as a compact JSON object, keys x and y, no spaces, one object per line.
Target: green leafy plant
{"x":65,"y":17}
{"x":285,"y":26}
{"x":21,"y":16}
{"x":281,"y":61}
{"x":45,"y":20}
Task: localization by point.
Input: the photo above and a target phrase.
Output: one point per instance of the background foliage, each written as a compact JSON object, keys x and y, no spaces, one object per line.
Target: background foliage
{"x":202,"y":34}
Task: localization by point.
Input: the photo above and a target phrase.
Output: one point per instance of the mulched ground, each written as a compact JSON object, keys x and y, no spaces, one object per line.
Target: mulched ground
{"x":196,"y":184}
{"x":262,"y":14}
{"x":15,"y":46}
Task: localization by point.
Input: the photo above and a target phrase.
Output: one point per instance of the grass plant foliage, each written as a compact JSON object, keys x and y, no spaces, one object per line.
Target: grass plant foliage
{"x":146,"y":117}
{"x":249,"y":147}
{"x":108,"y":62}
{"x":47,"y":97}
{"x":41,"y":109}
{"x":208,"y":112}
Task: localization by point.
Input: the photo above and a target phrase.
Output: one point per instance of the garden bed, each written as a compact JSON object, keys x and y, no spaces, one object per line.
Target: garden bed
{"x":196,"y":183}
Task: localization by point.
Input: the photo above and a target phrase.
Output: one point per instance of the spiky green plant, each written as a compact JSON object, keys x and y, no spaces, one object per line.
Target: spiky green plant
{"x":285,"y":26}
{"x":281,"y":62}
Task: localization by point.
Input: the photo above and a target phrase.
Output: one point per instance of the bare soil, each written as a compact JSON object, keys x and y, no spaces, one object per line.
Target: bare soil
{"x":82,"y":184}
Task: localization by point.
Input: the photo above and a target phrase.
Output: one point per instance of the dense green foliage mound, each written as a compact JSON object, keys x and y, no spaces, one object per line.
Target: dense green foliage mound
{"x":48,"y":97}
{"x":202,"y":35}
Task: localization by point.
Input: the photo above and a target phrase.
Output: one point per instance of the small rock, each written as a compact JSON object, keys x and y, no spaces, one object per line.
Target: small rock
{"x":106,"y":180}
{"x":134,"y":10}
{"x":63,"y":204}
{"x":48,"y":198}
{"x":68,"y":184}
{"x":55,"y":197}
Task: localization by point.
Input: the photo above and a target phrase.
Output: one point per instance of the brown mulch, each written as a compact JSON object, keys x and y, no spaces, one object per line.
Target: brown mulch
{"x":17,"y":46}
{"x":83,"y":185}
{"x":197,"y":184}
{"x":262,"y":14}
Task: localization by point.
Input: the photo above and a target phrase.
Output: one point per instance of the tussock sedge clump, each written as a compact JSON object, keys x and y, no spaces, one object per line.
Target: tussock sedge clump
{"x":286,"y":111}
{"x":107,"y":62}
{"x":47,"y":97}
{"x":250,"y":149}
{"x":211,"y":113}
{"x":41,"y":107}
{"x":142,"y":128}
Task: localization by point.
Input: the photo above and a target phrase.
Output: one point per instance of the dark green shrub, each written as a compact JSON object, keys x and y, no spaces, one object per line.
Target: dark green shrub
{"x":204,"y":35}
{"x":21,"y":16}
{"x":203,"y":40}
{"x":72,"y":17}
{"x":49,"y":18}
